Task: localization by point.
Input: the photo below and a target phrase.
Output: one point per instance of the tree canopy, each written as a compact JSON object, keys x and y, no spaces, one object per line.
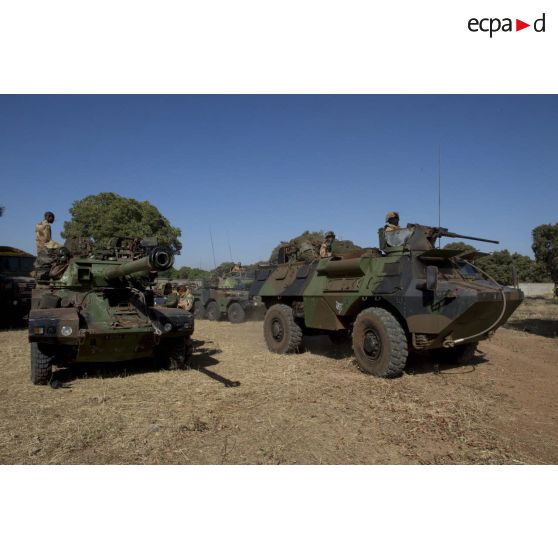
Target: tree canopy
{"x":545,"y":247}
{"x":499,"y":265}
{"x":105,"y":215}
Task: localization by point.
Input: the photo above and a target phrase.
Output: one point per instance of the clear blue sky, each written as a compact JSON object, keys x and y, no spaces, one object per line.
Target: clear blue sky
{"x":260,"y":169}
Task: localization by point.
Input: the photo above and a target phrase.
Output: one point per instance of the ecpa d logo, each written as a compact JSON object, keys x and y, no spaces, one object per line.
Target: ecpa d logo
{"x":492,"y":25}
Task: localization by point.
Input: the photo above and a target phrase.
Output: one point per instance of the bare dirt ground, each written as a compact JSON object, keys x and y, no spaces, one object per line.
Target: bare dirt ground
{"x":241,"y":404}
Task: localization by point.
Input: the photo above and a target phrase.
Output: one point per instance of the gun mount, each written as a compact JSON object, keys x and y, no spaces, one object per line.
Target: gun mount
{"x":160,"y":258}
{"x":419,"y":237}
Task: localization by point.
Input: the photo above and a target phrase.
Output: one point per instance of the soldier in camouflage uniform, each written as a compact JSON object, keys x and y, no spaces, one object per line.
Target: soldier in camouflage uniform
{"x":326,"y":248}
{"x":306,"y":252}
{"x":185,"y":298}
{"x":171,"y":296}
{"x":43,"y":233}
{"x":392,"y":221}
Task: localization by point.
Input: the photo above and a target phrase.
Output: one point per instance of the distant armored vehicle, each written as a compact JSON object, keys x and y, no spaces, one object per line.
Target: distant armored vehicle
{"x":98,"y":307}
{"x":227,"y":297}
{"x":16,"y":284}
{"x":406,"y":296}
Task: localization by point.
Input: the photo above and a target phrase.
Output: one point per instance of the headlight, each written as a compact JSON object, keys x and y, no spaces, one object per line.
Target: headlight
{"x":66,"y":331}
{"x":167,"y":327}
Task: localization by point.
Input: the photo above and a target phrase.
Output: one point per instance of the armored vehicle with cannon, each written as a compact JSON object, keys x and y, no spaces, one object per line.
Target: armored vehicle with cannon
{"x":408,"y":295}
{"x":96,"y":305}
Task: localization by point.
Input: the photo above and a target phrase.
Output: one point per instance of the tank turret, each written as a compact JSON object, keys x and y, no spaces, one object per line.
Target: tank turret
{"x":160,"y":258}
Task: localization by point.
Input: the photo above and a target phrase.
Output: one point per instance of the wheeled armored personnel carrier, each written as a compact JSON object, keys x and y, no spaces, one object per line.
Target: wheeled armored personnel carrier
{"x":16,"y":284}
{"x":227,"y":297}
{"x":405,"y":296}
{"x":97,"y":306}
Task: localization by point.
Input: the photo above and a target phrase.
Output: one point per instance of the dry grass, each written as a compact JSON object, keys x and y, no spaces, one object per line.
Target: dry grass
{"x":242,"y":404}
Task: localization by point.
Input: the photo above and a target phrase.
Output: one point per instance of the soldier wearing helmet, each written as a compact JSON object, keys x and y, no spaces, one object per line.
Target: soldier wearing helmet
{"x":392,"y":221}
{"x":43,"y":232}
{"x":326,"y":248}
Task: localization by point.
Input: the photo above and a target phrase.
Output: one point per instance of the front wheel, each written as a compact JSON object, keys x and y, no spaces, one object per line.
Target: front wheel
{"x":41,"y":365}
{"x":174,"y":353}
{"x":212,"y":311}
{"x":379,"y":343}
{"x":282,"y":334}
{"x":236,"y":313}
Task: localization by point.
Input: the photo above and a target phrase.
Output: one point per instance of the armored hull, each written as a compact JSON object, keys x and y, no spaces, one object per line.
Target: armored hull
{"x":429,"y":298}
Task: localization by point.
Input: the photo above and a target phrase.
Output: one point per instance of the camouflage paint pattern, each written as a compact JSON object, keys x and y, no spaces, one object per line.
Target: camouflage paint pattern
{"x":328,"y":294}
{"x":231,"y":290}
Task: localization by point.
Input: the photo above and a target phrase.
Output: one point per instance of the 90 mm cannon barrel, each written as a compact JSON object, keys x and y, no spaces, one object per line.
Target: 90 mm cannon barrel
{"x":159,"y":259}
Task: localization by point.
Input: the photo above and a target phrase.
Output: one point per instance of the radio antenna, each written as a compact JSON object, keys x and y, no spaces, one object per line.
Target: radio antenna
{"x":229,"y":243}
{"x":439,"y":193}
{"x":212,"y":248}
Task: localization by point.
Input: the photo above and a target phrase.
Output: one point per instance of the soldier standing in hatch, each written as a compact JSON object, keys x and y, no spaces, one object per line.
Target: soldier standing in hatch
{"x":237,"y":268}
{"x":43,"y":233}
{"x":326,"y":248}
{"x":392,"y":221}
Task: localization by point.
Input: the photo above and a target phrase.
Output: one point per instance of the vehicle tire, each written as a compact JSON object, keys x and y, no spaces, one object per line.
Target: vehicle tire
{"x":236,"y":313}
{"x":173,"y":354}
{"x":41,"y":366}
{"x":282,"y":334}
{"x":461,"y":354}
{"x":379,"y":343}
{"x":199,"y":310}
{"x":212,"y":311}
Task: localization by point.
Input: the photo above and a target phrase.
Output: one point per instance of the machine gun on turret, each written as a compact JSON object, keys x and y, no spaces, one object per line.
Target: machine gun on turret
{"x":438,"y":232}
{"x":420,"y":237}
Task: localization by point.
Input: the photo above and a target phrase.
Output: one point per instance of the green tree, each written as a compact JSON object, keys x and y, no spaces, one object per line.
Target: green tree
{"x":500,"y":265}
{"x":545,"y":247}
{"x":105,"y":215}
{"x":316,"y":238}
{"x":459,"y":246}
{"x":192,"y":273}
{"x":222,"y":269}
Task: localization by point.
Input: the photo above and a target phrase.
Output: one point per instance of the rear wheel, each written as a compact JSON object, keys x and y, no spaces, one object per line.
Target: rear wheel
{"x":236,"y":313}
{"x":379,"y":343}
{"x":212,"y":311}
{"x":282,"y":334}
{"x":41,"y":365}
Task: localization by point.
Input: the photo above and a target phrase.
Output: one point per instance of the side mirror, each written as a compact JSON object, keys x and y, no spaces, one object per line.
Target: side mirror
{"x":431,"y":278}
